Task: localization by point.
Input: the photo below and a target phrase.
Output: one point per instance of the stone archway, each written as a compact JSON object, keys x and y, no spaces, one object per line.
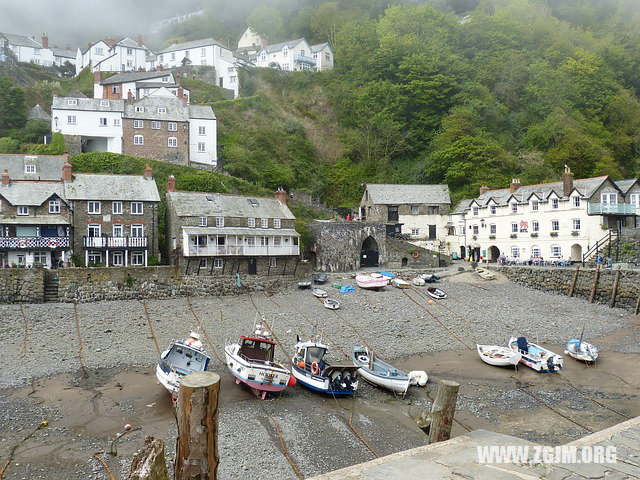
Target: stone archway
{"x":494,"y":253}
{"x":369,"y":253}
{"x":576,"y":252}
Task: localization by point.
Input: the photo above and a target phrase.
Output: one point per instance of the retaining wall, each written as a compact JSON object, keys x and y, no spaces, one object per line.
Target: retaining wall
{"x":20,"y":285}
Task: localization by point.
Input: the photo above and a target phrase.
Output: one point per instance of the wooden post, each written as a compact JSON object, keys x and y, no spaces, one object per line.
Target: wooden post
{"x":635,"y":312}
{"x":575,"y":279}
{"x":148,"y":463}
{"x":197,"y":410}
{"x":442,"y":410}
{"x":614,"y":292}
{"x":595,"y":284}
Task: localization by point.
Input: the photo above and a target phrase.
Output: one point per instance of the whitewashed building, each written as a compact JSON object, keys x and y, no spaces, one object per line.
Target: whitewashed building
{"x":109,"y":55}
{"x":63,"y":55}
{"x":296,"y":55}
{"x":250,"y":43}
{"x":323,"y":55}
{"x":138,"y":85}
{"x":28,"y":49}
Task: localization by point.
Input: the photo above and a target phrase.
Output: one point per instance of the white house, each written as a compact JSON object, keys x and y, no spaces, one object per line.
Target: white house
{"x":203,"y":147}
{"x":63,"y":55}
{"x":323,"y":55}
{"x":203,"y":52}
{"x":250,"y":43}
{"x":138,"y":85}
{"x":109,"y":55}
{"x":293,"y":55}
{"x":29,"y":50}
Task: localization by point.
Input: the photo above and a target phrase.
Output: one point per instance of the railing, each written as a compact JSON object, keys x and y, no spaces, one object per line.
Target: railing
{"x":303,"y":59}
{"x":114,"y":242}
{"x":17,"y":243}
{"x":600,"y":245}
{"x":225,"y":250}
{"x":612,"y":209}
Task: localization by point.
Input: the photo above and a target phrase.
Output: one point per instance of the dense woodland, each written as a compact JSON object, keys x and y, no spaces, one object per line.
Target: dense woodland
{"x":457,"y":91}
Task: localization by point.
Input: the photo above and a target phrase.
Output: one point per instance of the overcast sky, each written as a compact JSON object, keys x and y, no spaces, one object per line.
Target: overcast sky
{"x":76,"y":22}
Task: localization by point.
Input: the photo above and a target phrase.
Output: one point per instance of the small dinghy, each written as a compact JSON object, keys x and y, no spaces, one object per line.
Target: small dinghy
{"x":418,"y":282}
{"x":319,"y":293}
{"x":498,"y":356}
{"x":535,"y":356}
{"x":320,"y":278}
{"x":436,"y":293}
{"x":583,"y":351}
{"x":180,"y":359}
{"x":399,"y":283}
{"x":251,"y":362}
{"x":484,"y":273}
{"x":304,"y":285}
{"x":312,"y":371}
{"x":369,"y":282}
{"x":331,"y":304}
{"x":380,"y":373}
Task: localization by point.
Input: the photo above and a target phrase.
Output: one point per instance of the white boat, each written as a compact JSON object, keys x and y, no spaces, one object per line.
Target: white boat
{"x":535,"y":356}
{"x":583,"y":351}
{"x":304,"y":285}
{"x":180,"y":359}
{"x":369,"y":282}
{"x":418,"y":282}
{"x":319,"y":293}
{"x":436,"y":293}
{"x":380,"y":373}
{"x":331,"y":304}
{"x":251,"y":361}
{"x":498,"y":356}
{"x":484,"y":273}
{"x":399,"y":283}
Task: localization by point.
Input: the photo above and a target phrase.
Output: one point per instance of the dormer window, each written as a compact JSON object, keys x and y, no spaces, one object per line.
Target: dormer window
{"x":285,"y":52}
{"x":29,"y":168}
{"x":514,"y":207}
{"x":576,"y":202}
{"x":104,"y":103}
{"x":534,"y":205}
{"x":492,"y":209}
{"x":162,"y":110}
{"x":475,"y":211}
{"x":72,"y":102}
{"x":139,"y":109}
{"x":555,"y":203}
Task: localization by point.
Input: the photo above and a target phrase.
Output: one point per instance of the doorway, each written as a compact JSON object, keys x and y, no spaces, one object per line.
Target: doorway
{"x":369,"y":253}
{"x":253,"y":266}
{"x":494,"y":253}
{"x":576,"y":252}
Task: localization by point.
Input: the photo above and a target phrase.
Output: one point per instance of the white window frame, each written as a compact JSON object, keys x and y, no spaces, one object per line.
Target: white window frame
{"x":558,"y":251}
{"x":139,"y":109}
{"x":576,"y":224}
{"x":514,"y":207}
{"x":94,"y":207}
{"x":219,"y":222}
{"x":277,"y":223}
{"x":54,"y":206}
{"x":415,"y":232}
{"x":138,"y":140}
{"x":576,"y":201}
{"x":116,"y":122}
{"x":535,"y":226}
{"x":202,"y":130}
{"x":104,"y":103}
{"x":218,"y":263}
{"x":138,"y":124}
{"x":415,"y":209}
{"x":251,"y":222}
{"x":202,"y":147}
{"x":137,"y":258}
{"x":172,"y":142}
{"x":555,"y":203}
{"x":23,"y":210}
{"x":117,"y":230}
{"x":536,"y":252}
{"x":535,"y":205}
{"x":492,"y":229}
{"x":117,"y":208}
{"x":137,"y":208}
{"x":474,"y":210}
{"x":555,"y":225}
{"x":72,"y":102}
{"x":135,"y":228}
{"x":492,"y":209}
{"x":634,"y":199}
{"x":96,"y":227}
{"x":162,"y":110}
{"x":273,"y":262}
{"x":514,"y":227}
{"x":72,"y":120}
{"x":606,"y":198}
{"x":515,"y":251}
{"x":202,"y":221}
{"x":103,"y":122}
{"x":173,"y":127}
{"x":264,"y":223}
{"x":475,"y":230}
{"x":29,"y":168}
{"x":156,"y":125}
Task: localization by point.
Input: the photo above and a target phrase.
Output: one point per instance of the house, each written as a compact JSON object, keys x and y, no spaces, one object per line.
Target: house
{"x":205,"y":52}
{"x":230,"y":233}
{"x":63,"y":55}
{"x":158,"y":127}
{"x":4,"y":47}
{"x":138,"y":85}
{"x":418,"y":210}
{"x":323,"y":55}
{"x":109,"y":55}
{"x":293,"y":55}
{"x":28,"y":49}
{"x":39,"y":114}
{"x":553,"y":221}
{"x":250,"y":43}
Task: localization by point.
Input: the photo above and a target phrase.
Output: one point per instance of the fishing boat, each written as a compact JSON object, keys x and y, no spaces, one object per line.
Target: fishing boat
{"x":370,"y":282}
{"x":436,"y":293}
{"x":181,"y":358}
{"x":498,"y":356}
{"x":583,"y":351}
{"x":304,"y":285}
{"x":380,"y":373}
{"x":319,"y":278}
{"x":331,"y":304}
{"x":399,"y":283}
{"x":535,"y":356}
{"x":484,"y":273}
{"x":251,"y":361}
{"x":319,"y":293}
{"x":418,"y":282}
{"x":312,"y":371}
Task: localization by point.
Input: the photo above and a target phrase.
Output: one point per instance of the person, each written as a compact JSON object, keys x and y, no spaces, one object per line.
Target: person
{"x":194,"y":341}
{"x":599,"y":259}
{"x":609,"y":262}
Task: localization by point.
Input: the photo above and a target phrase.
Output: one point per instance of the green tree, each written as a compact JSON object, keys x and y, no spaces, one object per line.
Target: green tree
{"x":268,"y":22}
{"x":13,"y":110}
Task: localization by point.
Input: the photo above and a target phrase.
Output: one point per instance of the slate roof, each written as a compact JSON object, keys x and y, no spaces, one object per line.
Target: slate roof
{"x":88,"y":186}
{"x":392,"y":194}
{"x":462,"y":206}
{"x":176,"y":110}
{"x":625,"y":185}
{"x":205,"y":42}
{"x":320,"y":46}
{"x":47,"y":167}
{"x":38,"y":113}
{"x":201,"y":112}
{"x":276,"y":47}
{"x":63,"y":52}
{"x":156,"y":85}
{"x":21,"y":40}
{"x":53,"y":219}
{"x":127,"y":42}
{"x":133,"y":77}
{"x":287,"y":232}
{"x":196,"y":204}
{"x":87,"y":104}
{"x":32,"y":194}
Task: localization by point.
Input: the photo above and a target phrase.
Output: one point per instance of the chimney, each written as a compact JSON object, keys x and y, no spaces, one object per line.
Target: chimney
{"x":140,"y":39}
{"x":483,"y":189}
{"x":264,"y":42}
{"x":5,"y":177}
{"x":97,"y":77}
{"x":67,"y":172}
{"x":148,"y":171}
{"x":182,"y":96}
{"x":45,"y":41}
{"x":281,"y":195}
{"x":567,"y":181}
{"x":515,"y":185}
{"x":130,"y":95}
{"x":171,"y":183}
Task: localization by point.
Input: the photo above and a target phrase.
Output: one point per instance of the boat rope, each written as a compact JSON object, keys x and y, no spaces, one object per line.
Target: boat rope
{"x":153,"y":334}
{"x":351,"y":326}
{"x":26,"y":331}
{"x":12,"y":452}
{"x":618,"y":377}
{"x":204,"y":332}
{"x":263,"y":318}
{"x":283,"y":447}
{"x":355,"y":432}
{"x":468,"y":429}
{"x":104,"y":464}
{"x":85,"y":373}
{"x":593,"y":399}
{"x":437,"y":320}
{"x":635,"y":285}
{"x":4,"y":467}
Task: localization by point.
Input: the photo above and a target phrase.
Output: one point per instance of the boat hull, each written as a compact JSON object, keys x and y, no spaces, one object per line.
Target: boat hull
{"x":319,"y":383}
{"x":545,"y":362}
{"x":170,"y":381}
{"x":261,"y":378}
{"x":399,"y":386}
{"x":371,"y":283}
{"x":498,"y":356}
{"x":436,"y":293}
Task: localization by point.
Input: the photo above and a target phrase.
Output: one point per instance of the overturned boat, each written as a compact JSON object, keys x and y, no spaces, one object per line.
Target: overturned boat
{"x":319,"y":293}
{"x":181,"y":358}
{"x":331,"y":304}
{"x":535,"y":356}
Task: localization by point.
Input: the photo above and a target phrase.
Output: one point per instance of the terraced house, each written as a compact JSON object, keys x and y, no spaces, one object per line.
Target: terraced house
{"x":220,"y":233}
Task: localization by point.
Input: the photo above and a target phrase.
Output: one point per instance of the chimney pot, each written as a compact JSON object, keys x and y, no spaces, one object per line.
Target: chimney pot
{"x":484,"y":189}
{"x":67,"y":172}
{"x":515,"y":185}
{"x":148,"y":171}
{"x":567,"y":181}
{"x":5,"y":177}
{"x":45,"y":41}
{"x":171,"y":183}
{"x":281,"y":195}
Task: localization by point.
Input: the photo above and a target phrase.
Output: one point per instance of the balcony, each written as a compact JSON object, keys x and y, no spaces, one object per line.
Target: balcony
{"x":304,"y":59}
{"x":30,"y":243}
{"x":236,"y":250}
{"x":114,"y":242}
{"x":612,"y":209}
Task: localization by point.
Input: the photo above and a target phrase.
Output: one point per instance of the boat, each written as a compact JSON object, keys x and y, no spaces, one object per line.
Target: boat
{"x":498,"y":356}
{"x":304,"y":285}
{"x":320,"y":278}
{"x":583,"y":351}
{"x":319,"y":293}
{"x":388,"y":275}
{"x":380,"y":373}
{"x":418,"y":282}
{"x":181,"y":358}
{"x":251,"y":361}
{"x":369,"y":282}
{"x":399,"y":283}
{"x":484,"y":273}
{"x":428,"y":278}
{"x":312,"y":371}
{"x":436,"y":293}
{"x":331,"y":304}
{"x":535,"y":356}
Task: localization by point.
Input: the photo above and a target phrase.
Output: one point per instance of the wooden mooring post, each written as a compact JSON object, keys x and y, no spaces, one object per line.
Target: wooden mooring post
{"x":596,"y":275}
{"x":438,"y":423}
{"x":197,"y":411}
{"x":575,"y":280}
{"x":614,"y":292}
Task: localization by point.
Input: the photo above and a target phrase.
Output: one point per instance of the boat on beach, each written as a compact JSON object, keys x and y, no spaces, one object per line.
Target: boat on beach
{"x":436,"y":293}
{"x":498,"y":356}
{"x":536,"y":357}
{"x":582,"y":351}
{"x":304,"y":285}
{"x":418,"y":282}
{"x":369,"y":282}
{"x":319,"y":293}
{"x":484,"y":273}
{"x":380,"y":373}
{"x":319,"y":278}
{"x":181,"y":358}
{"x":331,"y":304}
{"x":399,"y":283}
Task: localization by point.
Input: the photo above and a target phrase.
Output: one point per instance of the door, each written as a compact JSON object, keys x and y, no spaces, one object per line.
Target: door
{"x":369,"y":253}
{"x":253,"y":266}
{"x":432,"y":232}
{"x":392,"y":214}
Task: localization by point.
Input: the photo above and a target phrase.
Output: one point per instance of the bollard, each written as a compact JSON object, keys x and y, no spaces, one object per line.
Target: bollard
{"x":442,"y":411}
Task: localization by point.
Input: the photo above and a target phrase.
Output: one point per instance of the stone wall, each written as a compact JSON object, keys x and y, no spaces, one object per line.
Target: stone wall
{"x":630,"y":245}
{"x":19,"y":285}
{"x":401,"y":254}
{"x":559,"y":280}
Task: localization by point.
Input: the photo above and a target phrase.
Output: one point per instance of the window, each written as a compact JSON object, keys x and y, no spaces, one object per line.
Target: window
{"x":475,"y":230}
{"x":72,"y":102}
{"x":103,"y":122}
{"x":137,"y":230}
{"x":173,"y":55}
{"x":219,"y":221}
{"x":492,"y":229}
{"x":71,"y":119}
{"x":93,"y":207}
{"x":315,"y":55}
{"x":251,"y":241}
{"x":218,"y":263}
{"x":162,"y":110}
{"x":634,"y":199}
{"x":201,"y":147}
{"x":433,"y":210}
{"x":156,"y":125}
{"x":415,"y":232}
{"x":576,"y":224}
{"x":251,"y":222}
{"x":277,"y":241}
{"x":161,"y":58}
{"x":129,"y":63}
{"x":138,"y":124}
{"x":104,"y":103}
{"x":94,"y":231}
{"x":264,"y":223}
{"x":23,"y":210}
{"x":40,"y":257}
{"x":514,"y":228}
{"x":118,"y":231}
{"x":98,"y":51}
{"x":116,"y":208}
{"x":54,"y":206}
{"x":203,"y":52}
{"x":555,"y":203}
{"x":535,"y":252}
{"x":534,"y":205}
{"x":137,"y":208}
{"x":115,"y":89}
{"x":166,"y":79}
{"x":116,"y":122}
{"x":139,"y":109}
{"x":172,"y":142}
{"x":285,"y":52}
{"x":492,"y":209}
{"x":272,"y":262}
{"x":535,"y":226}
{"x":233,"y":79}
{"x":95,"y":258}
{"x":576,"y":202}
{"x":556,"y":251}
{"x":515,"y":252}
{"x":555,"y":226}
{"x":137,"y":258}
{"x":29,"y":168}
{"x":327,"y":57}
{"x":202,"y":130}
{"x":202,"y":221}
{"x":117,"y":259}
{"x":475,"y":211}
{"x":514,"y":207}
{"x":129,"y":51}
{"x":609,"y":198}
{"x":138,"y":140}
{"x":173,"y":127}
{"x":263,"y":56}
{"x":276,"y":223}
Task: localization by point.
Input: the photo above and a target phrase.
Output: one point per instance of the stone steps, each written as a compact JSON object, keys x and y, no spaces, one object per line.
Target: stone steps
{"x":51,"y":285}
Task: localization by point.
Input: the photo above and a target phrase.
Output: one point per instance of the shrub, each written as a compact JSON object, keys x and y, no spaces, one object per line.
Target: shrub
{"x":9,"y":145}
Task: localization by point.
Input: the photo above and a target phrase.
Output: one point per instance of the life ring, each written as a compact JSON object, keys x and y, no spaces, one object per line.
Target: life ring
{"x":363,"y":358}
{"x":415,"y":254}
{"x":315,"y":368}
{"x":22,"y":244}
{"x":52,"y":243}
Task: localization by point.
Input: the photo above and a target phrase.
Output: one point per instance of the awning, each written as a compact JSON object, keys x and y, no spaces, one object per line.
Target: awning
{"x":34,"y":221}
{"x":240,"y":231}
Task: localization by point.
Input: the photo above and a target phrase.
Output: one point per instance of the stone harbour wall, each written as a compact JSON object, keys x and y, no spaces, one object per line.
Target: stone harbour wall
{"x":558,"y":280}
{"x":630,"y":245}
{"x":20,"y":285}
